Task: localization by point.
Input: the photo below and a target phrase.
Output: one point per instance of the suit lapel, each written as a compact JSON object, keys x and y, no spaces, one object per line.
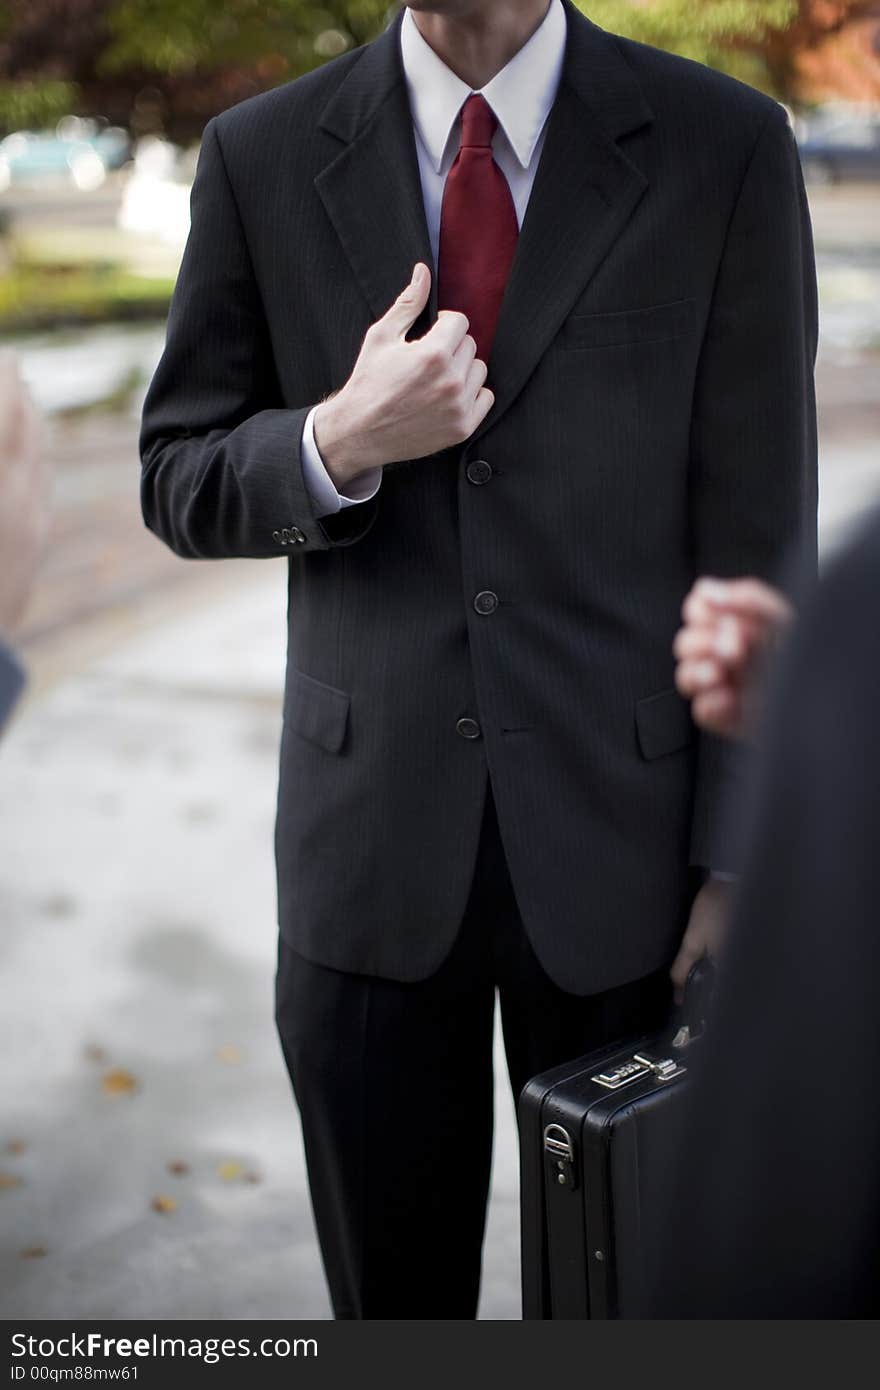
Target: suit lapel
{"x":584,"y":193}
{"x":372,"y":190}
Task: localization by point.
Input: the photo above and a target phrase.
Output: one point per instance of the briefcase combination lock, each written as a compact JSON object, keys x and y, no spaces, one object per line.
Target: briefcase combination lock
{"x":640,"y":1064}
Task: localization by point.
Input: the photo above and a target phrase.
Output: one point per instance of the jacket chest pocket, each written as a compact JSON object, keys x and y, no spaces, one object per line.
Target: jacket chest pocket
{"x":657,"y":323}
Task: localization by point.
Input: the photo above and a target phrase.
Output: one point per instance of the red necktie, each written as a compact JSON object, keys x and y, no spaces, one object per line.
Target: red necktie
{"x":478,"y":228}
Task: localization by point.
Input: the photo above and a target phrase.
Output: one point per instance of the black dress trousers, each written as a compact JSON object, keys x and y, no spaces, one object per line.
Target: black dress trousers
{"x":394,"y":1084}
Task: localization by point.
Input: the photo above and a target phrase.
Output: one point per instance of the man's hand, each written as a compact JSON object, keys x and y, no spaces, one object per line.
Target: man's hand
{"x":705,"y":932}
{"x":404,"y":400}
{"x":24,"y":489}
{"x":729,"y":626}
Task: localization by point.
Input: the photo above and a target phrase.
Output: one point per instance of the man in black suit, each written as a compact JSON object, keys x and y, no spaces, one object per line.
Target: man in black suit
{"x":777,"y":1185}
{"x":494,"y":487}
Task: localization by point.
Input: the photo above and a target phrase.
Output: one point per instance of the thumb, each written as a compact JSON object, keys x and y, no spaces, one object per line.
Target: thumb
{"x":410,"y":302}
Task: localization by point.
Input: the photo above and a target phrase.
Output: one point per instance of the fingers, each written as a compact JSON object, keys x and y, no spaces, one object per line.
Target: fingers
{"x":406,"y":308}
{"x":751,"y":598}
{"x":447,"y":333}
{"x":464,"y":355}
{"x":717,"y":711}
{"x":682,"y":966}
{"x":696,"y":612}
{"x":727,"y":626}
{"x":697,"y":677}
{"x":475,"y":378}
{"x":727,"y":641}
{"x":482,"y":405}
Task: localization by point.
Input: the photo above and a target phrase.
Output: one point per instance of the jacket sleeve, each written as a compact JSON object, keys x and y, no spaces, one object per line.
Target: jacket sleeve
{"x":221,"y":458}
{"x":753,"y":441}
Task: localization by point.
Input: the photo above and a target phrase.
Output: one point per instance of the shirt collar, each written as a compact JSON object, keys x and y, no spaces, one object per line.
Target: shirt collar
{"x":520,"y":95}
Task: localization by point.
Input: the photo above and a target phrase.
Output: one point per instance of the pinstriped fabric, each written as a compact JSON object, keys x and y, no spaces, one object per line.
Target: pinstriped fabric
{"x":654,"y":418}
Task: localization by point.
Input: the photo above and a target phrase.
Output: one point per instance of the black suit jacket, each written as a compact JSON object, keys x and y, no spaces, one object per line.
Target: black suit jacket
{"x":776,"y":1203}
{"x":654,"y":419}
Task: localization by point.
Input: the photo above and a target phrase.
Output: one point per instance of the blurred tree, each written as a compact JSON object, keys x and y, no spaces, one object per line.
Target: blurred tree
{"x":726,"y":34}
{"x":832,"y":50}
{"x":178,"y":35}
{"x":35,"y":105}
{"x":171,"y":64}
{"x":704,"y":31}
{"x":46,"y":49}
{"x":774,"y":44}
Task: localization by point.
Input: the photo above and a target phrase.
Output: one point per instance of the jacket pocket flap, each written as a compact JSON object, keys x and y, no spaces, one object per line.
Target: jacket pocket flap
{"x":663,"y":723}
{"x":656,"y":323}
{"x":316,"y":711}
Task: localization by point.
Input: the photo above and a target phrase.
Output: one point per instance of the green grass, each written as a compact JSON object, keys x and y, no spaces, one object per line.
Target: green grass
{"x":34,"y":297}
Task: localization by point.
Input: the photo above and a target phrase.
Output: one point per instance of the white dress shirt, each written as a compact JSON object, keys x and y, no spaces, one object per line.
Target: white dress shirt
{"x":521,"y":96}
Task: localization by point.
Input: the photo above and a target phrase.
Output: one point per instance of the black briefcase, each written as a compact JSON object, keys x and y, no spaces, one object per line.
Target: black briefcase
{"x":596,"y":1137}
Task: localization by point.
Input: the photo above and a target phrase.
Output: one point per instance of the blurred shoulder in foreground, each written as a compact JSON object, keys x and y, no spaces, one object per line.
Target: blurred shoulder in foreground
{"x":777,"y":1195}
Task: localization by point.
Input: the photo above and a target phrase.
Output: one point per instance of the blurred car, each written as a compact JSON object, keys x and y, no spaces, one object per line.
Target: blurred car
{"x":847,"y":148}
{"x":155,"y":201}
{"x":78,"y":151}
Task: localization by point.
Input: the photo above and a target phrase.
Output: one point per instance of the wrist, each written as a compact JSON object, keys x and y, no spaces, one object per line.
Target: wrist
{"x":336,"y":439}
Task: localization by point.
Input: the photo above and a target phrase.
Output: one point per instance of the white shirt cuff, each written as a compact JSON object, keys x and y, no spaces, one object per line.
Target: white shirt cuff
{"x":320,"y":485}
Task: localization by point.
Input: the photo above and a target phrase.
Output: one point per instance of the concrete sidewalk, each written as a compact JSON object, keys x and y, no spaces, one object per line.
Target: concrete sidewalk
{"x":138,"y":910}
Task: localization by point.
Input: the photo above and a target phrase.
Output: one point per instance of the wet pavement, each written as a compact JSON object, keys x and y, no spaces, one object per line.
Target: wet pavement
{"x":150,"y":1163}
{"x":137,"y":898}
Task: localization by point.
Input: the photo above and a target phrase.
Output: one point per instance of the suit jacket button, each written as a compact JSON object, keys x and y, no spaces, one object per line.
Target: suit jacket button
{"x":298,"y":535}
{"x":478,"y":472}
{"x":468,"y":728}
{"x":276,"y":536}
{"x":486,"y":602}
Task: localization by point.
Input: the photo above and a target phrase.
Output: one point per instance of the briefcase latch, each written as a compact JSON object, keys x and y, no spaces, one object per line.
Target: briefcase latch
{"x":664,"y":1068}
{"x":558,"y":1144}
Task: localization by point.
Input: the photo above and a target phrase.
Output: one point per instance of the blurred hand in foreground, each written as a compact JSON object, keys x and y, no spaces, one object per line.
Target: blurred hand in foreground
{"x":729,"y":628}
{"x":705,"y":934}
{"x":24,"y":494}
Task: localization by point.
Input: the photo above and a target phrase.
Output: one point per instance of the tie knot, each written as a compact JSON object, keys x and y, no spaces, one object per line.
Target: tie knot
{"x":478,"y":122}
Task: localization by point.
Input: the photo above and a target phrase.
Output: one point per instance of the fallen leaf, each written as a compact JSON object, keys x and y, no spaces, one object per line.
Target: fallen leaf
{"x":59,"y":905}
{"x":8,"y":1181}
{"x":119,"y":1082}
{"x":164,"y":1204}
{"x":16,"y":1146}
{"x":229,"y":1054}
{"x":95,"y":1053}
{"x":33,"y":1252}
{"x":178,"y":1167}
{"x":230,"y":1171}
